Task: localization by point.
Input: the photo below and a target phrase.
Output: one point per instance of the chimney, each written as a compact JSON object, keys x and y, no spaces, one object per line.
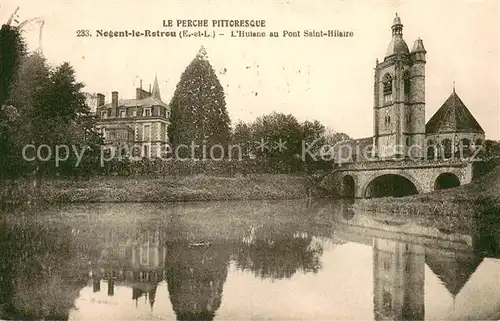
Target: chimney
{"x":111,"y":287}
{"x":96,"y":285}
{"x":138,"y":93}
{"x":114,"y":104}
{"x":100,"y":100}
{"x":141,"y":84}
{"x":149,"y":88}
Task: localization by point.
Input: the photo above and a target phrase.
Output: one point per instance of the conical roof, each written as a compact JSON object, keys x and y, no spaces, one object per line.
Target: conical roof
{"x":397,"y":46}
{"x":418,"y":46}
{"x":454,"y":270}
{"x":453,"y":116}
{"x":155,"y":93}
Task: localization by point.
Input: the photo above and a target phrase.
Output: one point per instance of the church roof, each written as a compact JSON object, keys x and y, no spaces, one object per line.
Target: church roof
{"x":397,"y":46}
{"x":454,"y":270}
{"x":453,"y":116}
{"x":418,"y":46}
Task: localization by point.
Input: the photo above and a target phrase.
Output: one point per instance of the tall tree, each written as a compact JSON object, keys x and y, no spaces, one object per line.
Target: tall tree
{"x":12,"y":49}
{"x":198,"y":107}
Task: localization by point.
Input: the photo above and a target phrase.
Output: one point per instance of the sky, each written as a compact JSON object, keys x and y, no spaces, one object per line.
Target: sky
{"x":325,"y":79}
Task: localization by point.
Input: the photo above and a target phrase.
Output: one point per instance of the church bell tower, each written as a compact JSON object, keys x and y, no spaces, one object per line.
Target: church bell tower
{"x":399,"y":99}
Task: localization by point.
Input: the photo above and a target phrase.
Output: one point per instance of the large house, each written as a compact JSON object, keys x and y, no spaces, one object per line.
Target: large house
{"x":399,"y":126}
{"x":137,"y":125}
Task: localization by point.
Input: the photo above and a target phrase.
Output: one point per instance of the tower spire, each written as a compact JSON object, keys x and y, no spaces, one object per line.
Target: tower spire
{"x":453,"y":86}
{"x":156,"y":89}
{"x":397,"y":27}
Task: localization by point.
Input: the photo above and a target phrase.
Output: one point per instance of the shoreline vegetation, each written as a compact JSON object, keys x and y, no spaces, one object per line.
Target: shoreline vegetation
{"x":481,"y":194}
{"x":198,"y":187}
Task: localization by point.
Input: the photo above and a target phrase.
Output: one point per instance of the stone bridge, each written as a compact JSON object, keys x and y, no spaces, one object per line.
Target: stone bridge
{"x":398,"y":177}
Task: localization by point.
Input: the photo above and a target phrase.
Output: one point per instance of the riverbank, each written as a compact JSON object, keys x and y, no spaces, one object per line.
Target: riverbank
{"x":169,"y":189}
{"x":481,"y":195}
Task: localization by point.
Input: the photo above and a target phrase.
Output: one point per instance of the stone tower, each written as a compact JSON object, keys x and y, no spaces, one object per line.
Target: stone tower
{"x":399,"y":98}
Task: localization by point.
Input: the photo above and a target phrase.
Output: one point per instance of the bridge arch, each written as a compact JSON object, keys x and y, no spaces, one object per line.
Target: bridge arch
{"x":446,"y":180}
{"x":391,"y":184}
{"x":348,"y":186}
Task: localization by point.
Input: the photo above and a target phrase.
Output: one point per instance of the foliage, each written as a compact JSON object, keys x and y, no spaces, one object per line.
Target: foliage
{"x":284,"y":142}
{"x":43,"y":106}
{"x":198,"y":107}
{"x":491,"y":149}
{"x":12,"y":49}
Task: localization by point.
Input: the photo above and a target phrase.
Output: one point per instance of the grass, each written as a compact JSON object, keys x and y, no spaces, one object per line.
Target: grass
{"x":169,"y":189}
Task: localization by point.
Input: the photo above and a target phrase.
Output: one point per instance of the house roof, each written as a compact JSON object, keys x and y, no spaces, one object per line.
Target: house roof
{"x":146,"y":102}
{"x":453,"y":116}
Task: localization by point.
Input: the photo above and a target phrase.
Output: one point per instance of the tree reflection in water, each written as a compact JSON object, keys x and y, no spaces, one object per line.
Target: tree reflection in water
{"x":43,"y":267}
{"x":278,"y":256}
{"x":40,"y":273}
{"x":195,"y":277}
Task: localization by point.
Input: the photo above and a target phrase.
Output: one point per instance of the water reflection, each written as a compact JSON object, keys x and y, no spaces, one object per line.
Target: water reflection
{"x":398,"y":280}
{"x":206,"y":262}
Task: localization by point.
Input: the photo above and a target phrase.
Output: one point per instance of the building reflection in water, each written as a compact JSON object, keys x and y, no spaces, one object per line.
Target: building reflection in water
{"x":135,"y":262}
{"x":195,"y":273}
{"x":399,"y":276}
{"x":398,"y":280}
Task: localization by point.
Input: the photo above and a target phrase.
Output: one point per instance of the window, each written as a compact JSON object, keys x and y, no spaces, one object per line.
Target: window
{"x":103,"y":132}
{"x":147,"y":112}
{"x":387,"y":86}
{"x":465,"y":147}
{"x":134,"y":113}
{"x":387,"y":265}
{"x":123,"y":114}
{"x":103,"y":114}
{"x":408,"y":141}
{"x":147,"y":132}
{"x":387,"y":121}
{"x":144,"y":255}
{"x":408,"y":119}
{"x":146,"y":151}
{"x":446,"y":147}
{"x":407,"y":84}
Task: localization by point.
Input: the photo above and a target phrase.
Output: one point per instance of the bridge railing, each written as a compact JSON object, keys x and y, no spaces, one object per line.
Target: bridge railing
{"x":403,"y":163}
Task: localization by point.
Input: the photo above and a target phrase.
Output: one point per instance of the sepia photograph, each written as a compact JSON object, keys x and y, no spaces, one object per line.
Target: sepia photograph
{"x":249,"y":160}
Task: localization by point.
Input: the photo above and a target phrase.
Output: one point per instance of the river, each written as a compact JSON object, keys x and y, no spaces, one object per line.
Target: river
{"x":272,"y":260}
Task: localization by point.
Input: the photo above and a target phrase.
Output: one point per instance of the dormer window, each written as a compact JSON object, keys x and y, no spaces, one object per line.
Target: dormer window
{"x":103,"y":114}
{"x":123,"y":114}
{"x":147,"y":112}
